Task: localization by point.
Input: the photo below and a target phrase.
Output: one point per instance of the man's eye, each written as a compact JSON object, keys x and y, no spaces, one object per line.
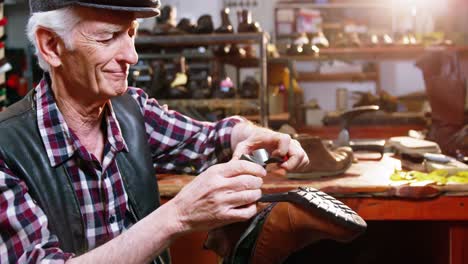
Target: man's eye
{"x":109,"y":39}
{"x":105,"y":41}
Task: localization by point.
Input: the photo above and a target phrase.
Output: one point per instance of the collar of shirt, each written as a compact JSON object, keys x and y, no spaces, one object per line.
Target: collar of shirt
{"x":59,"y":141}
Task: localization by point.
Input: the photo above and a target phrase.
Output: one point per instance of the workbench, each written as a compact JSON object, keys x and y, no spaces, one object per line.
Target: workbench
{"x":435,"y":218}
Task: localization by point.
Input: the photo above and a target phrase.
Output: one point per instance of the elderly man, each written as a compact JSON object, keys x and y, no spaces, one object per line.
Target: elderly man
{"x":78,"y":154}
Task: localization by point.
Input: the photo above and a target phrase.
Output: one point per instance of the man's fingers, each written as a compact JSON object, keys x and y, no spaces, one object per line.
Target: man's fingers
{"x":284,"y":142}
{"x":245,"y":212}
{"x":240,"y":167}
{"x":242,"y":198}
{"x":243,"y":182}
{"x":297,"y":157}
{"x":241,"y":148}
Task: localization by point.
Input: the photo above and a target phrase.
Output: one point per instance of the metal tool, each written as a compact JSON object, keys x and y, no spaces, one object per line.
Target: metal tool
{"x":261,"y":157}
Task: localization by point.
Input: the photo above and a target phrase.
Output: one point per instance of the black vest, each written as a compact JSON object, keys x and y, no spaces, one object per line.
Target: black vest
{"x":51,"y":188}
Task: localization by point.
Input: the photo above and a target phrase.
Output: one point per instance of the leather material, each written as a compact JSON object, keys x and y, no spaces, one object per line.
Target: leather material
{"x":246,"y":24}
{"x":51,"y":187}
{"x":322,"y":161}
{"x":294,"y":228}
{"x":185,"y":25}
{"x":293,"y":221}
{"x":445,"y":76}
{"x":204,"y":25}
{"x":226,"y":25}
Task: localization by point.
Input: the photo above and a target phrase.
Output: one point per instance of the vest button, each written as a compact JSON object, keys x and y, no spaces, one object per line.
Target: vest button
{"x":112,"y":219}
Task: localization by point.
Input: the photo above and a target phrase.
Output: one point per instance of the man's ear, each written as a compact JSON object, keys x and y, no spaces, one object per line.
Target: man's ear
{"x":49,"y":45}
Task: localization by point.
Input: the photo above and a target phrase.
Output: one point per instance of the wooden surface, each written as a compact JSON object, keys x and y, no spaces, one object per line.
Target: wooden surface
{"x":369,"y":178}
{"x":365,"y":188}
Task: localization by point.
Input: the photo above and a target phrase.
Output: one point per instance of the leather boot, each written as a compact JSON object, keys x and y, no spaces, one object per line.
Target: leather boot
{"x":160,"y":85}
{"x":200,"y":87}
{"x":204,"y":25}
{"x":166,"y":22}
{"x":249,"y":88}
{"x":323,"y":161}
{"x":293,"y":228}
{"x":178,"y":88}
{"x":185,"y":25}
{"x":226,"y":26}
{"x":292,"y":221}
{"x":246,"y":24}
{"x":445,"y":74}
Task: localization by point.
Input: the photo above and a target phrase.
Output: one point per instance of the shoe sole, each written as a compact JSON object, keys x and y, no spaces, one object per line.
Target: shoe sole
{"x":321,"y":203}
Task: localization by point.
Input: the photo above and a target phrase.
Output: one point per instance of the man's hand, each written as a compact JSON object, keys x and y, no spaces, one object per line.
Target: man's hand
{"x":223,"y":194}
{"x":246,"y":137}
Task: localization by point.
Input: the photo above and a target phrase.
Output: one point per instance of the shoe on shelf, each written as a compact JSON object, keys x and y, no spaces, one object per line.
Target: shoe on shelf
{"x":166,"y":22}
{"x":178,"y":87}
{"x":298,"y":45}
{"x":249,"y":88}
{"x":160,"y":85}
{"x":286,"y":223}
{"x":201,"y":87}
{"x":226,"y":25}
{"x":320,"y":41}
{"x":185,"y":25}
{"x":204,"y":25}
{"x":226,"y":89}
{"x":230,"y":50}
{"x":323,"y":160}
{"x":246,"y":25}
{"x":181,"y":79}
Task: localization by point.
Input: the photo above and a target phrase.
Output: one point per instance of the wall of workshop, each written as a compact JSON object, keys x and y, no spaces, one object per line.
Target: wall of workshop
{"x":397,"y":77}
{"x":17,"y":13}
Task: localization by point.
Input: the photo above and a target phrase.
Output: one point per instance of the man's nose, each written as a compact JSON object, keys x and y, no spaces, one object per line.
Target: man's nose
{"x":127,"y":52}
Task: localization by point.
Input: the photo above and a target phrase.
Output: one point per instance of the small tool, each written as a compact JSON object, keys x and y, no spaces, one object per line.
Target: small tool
{"x":262,"y":157}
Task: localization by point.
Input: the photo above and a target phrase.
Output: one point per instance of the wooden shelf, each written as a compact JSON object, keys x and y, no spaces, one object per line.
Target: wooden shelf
{"x":354,"y":77}
{"x":272,"y":117}
{"x":172,"y":56}
{"x":212,"y":103}
{"x":375,"y":53}
{"x":234,"y":61}
{"x":199,"y":40}
{"x":309,"y":4}
{"x":360,"y":132}
{"x":240,"y":62}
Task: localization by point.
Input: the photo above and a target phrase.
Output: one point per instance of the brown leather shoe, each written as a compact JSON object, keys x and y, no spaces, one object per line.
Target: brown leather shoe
{"x":293,"y":221}
{"x":323,"y":161}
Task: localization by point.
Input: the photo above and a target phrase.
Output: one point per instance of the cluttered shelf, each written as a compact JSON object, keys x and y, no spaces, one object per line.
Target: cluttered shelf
{"x":197,"y":60}
{"x":200,"y":39}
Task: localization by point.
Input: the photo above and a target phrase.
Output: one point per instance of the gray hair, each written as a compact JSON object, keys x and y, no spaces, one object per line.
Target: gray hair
{"x":61,"y":21}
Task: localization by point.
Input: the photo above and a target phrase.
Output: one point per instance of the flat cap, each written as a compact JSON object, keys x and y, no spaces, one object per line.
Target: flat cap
{"x":142,"y":8}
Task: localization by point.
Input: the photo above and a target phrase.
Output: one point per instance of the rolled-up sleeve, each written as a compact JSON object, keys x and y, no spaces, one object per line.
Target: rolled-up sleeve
{"x":24,"y":236}
{"x":180,"y":144}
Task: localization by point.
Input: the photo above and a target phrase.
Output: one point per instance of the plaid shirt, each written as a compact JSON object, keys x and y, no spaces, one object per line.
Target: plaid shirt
{"x":178,"y":144}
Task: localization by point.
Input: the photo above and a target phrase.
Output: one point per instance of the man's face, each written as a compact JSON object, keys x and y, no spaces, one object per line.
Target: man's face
{"x":97,"y":66}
